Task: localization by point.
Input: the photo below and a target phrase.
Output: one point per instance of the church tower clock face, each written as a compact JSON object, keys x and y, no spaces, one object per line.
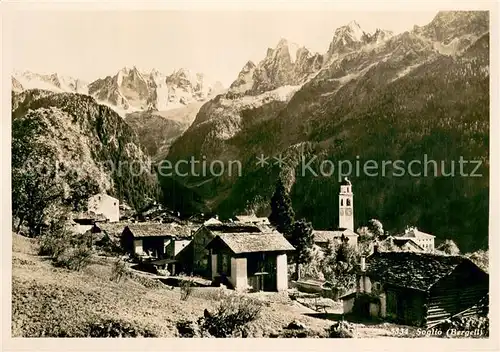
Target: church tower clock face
{"x":346,"y":206}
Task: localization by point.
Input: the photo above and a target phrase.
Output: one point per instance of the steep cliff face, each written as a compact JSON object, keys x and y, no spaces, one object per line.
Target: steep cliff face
{"x":87,"y":141}
{"x":265,"y":87}
{"x":157,"y":130}
{"x":369,"y":97}
{"x":286,"y":65}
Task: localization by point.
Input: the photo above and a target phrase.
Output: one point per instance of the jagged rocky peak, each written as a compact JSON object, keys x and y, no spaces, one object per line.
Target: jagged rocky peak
{"x":447,"y":25}
{"x":16,"y":85}
{"x":286,"y":49}
{"x":248,"y":66}
{"x":244,"y":82}
{"x":133,"y":90}
{"x":184,"y":78}
{"x":349,"y":33}
{"x":131,"y":77}
{"x":347,"y":38}
{"x":380,"y":36}
{"x":286,"y":64}
{"x":196,"y":84}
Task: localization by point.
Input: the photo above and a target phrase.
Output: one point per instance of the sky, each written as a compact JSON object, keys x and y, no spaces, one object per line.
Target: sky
{"x":91,"y":45}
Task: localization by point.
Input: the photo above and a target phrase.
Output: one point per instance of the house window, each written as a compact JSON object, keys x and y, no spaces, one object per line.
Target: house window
{"x":348,"y":202}
{"x":341,"y":202}
{"x":377,"y":286}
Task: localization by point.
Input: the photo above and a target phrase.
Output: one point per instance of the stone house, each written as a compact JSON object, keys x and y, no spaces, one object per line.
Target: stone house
{"x":195,"y":258}
{"x":424,"y":240}
{"x":250,"y":260}
{"x":106,"y":205}
{"x":419,"y":289}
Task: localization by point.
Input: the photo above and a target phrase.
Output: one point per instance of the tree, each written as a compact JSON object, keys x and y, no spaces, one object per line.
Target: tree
{"x":38,"y":196}
{"x":37,"y":190}
{"x":81,"y":190}
{"x":302,"y":239}
{"x":376,"y":228}
{"x":449,"y":247}
{"x":339,"y":266}
{"x":282,"y":214}
{"x":366,"y":240}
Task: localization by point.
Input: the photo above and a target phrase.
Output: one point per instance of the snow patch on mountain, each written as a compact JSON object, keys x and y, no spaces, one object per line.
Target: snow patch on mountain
{"x":132,"y":90}
{"x":283,"y":94}
{"x":407,"y":70}
{"x":52,"y":82}
{"x":447,"y":49}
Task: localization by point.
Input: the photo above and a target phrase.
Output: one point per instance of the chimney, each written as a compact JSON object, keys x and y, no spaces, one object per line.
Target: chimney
{"x":375,"y":248}
{"x":362,"y":263}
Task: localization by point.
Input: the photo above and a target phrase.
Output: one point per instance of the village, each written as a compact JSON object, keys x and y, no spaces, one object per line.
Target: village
{"x":397,"y":278}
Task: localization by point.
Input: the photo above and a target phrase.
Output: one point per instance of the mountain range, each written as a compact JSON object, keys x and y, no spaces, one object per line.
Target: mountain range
{"x":129,"y":90}
{"x":374,"y":96}
{"x":369,"y":96}
{"x":173,"y":100}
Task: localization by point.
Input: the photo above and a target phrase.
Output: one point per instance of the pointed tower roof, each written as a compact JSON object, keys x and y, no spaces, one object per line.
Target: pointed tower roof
{"x":346,"y":182}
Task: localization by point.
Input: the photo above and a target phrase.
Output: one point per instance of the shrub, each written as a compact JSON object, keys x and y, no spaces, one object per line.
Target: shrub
{"x":53,"y":245}
{"x":108,"y":245}
{"x":341,"y":329}
{"x":232,"y":314}
{"x":55,"y":240}
{"x":118,"y":270}
{"x":339,"y":266}
{"x":66,"y":249}
{"x":186,"y":287}
{"x":449,"y":247}
{"x":113,"y":328}
{"x":467,"y":324}
{"x":313,"y":268}
{"x":187,"y":328}
{"x":75,"y":258}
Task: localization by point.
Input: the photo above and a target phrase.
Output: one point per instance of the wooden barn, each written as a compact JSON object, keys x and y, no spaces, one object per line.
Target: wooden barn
{"x":419,"y":289}
{"x":255,"y":261}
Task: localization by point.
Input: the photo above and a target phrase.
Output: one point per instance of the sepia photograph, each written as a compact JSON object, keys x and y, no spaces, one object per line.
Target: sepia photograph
{"x":249,"y":174}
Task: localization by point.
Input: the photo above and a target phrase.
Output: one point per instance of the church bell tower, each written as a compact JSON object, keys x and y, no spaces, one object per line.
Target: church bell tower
{"x":346,"y":206}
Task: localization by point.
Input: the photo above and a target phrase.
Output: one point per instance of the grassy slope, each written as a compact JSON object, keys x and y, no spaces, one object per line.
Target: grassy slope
{"x":51,"y":299}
